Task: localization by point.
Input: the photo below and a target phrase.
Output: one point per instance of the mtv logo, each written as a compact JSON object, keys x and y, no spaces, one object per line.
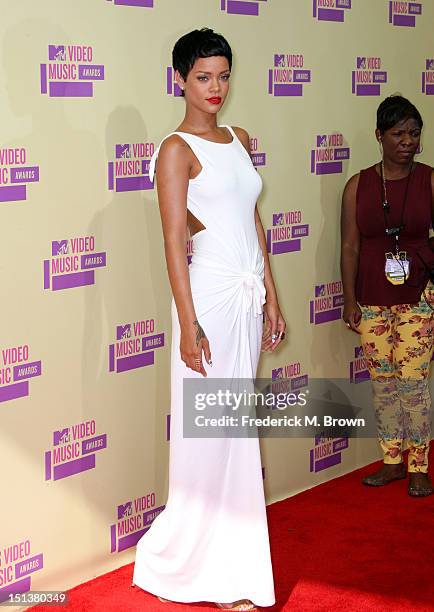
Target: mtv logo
{"x":57,"y":53}
{"x":61,"y":437}
{"x":361,"y":63}
{"x":146,"y":164}
{"x":278,"y":219}
{"x":430,"y":64}
{"x":279,"y":61}
{"x":172,"y":86}
{"x":319,"y":290}
{"x":123,"y":150}
{"x":277,"y":373}
{"x":125,"y":510}
{"x":321,"y":141}
{"x":123,"y":331}
{"x":319,"y":438}
{"x":59,"y":247}
{"x":358,"y":352}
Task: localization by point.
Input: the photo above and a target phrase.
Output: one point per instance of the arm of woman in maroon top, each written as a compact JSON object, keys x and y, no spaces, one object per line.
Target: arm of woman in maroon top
{"x":350,"y":246}
{"x":431,"y":240}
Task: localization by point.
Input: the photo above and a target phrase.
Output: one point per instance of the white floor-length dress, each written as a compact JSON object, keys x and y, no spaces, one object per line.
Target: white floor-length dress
{"x":211,"y":541}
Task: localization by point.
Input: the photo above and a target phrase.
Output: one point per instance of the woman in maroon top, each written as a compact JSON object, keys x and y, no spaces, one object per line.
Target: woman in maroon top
{"x":387,"y":211}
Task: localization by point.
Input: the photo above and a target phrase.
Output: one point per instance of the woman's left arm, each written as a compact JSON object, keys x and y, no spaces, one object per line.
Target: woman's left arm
{"x":275,"y":322}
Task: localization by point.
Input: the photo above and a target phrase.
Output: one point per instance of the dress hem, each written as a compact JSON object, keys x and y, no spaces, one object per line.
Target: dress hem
{"x":255,"y":601}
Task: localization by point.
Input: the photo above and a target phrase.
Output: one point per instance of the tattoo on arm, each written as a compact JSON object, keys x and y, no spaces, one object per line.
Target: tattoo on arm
{"x":199,"y":332}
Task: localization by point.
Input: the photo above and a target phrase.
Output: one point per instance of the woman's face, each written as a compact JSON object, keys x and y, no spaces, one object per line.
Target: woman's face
{"x":207,"y":83}
{"x":401,"y":142}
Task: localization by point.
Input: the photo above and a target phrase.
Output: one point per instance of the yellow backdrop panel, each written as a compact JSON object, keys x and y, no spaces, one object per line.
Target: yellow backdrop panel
{"x":86,"y":94}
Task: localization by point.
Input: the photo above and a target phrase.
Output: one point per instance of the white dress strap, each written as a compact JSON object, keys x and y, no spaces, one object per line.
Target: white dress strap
{"x":230,"y":130}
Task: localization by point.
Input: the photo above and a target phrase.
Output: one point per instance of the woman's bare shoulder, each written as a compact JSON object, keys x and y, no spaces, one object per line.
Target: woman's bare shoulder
{"x":352,"y":183}
{"x":243,"y":136}
{"x":173,"y":145}
{"x":174,"y":152}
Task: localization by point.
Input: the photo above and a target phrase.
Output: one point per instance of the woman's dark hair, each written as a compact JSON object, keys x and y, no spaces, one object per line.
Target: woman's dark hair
{"x":394,"y":109}
{"x":199,"y":43}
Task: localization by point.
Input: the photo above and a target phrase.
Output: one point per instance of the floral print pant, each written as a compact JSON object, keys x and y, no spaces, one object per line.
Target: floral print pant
{"x":398,"y":343}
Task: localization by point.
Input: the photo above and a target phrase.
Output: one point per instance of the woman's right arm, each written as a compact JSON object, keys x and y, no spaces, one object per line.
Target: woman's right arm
{"x":350,"y":247}
{"x":174,"y":164}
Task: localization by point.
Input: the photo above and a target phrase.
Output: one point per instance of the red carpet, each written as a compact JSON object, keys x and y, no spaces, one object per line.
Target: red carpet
{"x":339,"y":546}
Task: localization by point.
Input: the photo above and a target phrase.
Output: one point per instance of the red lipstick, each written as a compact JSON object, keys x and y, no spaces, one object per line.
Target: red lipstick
{"x":214,"y":100}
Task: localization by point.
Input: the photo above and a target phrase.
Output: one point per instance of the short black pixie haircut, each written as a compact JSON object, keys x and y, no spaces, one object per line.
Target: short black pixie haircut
{"x":199,"y":43}
{"x":394,"y":109}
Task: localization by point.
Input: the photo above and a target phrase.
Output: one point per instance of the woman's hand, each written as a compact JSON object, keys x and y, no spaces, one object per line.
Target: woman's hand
{"x":274,"y":326}
{"x":352,"y":315}
{"x":193,"y":342}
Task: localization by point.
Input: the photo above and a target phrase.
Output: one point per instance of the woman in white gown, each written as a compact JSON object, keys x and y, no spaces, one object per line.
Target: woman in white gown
{"x":211,"y":541}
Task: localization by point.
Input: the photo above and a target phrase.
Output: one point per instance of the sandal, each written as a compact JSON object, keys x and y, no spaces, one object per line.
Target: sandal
{"x":420,"y":491}
{"x":242,"y":604}
{"x":381,"y":478}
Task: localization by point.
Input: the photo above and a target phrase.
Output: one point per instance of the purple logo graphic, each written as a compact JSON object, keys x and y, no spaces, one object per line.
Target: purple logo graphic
{"x":59,"y":247}
{"x":328,"y":155}
{"x":428,"y":78}
{"x":15,"y":371}
{"x":327,"y":452}
{"x":327,"y":304}
{"x":287,"y":232}
{"x":241,"y":7}
{"x":288,"y":75}
{"x":290,"y":376}
{"x":189,"y":250}
{"x":125,"y":510}
{"x":330,"y":10}
{"x":70,"y":72}
{"x":130,"y":170}
{"x":73,"y":263}
{"x":358,"y":368}
{"x":258,"y":159}
{"x":368,"y":76}
{"x":404,"y":13}
{"x":140,"y":3}
{"x":15,"y":174}
{"x":17,"y":563}
{"x":172,"y":87}
{"x":73,"y":450}
{"x":134,"y":346}
{"x":133,"y":519}
{"x":123,"y":331}
{"x":62,"y":436}
{"x":57,"y":53}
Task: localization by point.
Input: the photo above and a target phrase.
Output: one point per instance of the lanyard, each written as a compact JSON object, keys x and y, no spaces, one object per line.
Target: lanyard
{"x":394,"y":232}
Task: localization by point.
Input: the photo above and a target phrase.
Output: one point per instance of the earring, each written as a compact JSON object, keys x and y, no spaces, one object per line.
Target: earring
{"x":420,"y":149}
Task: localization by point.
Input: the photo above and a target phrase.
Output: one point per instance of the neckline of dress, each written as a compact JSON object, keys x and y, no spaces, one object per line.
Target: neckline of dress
{"x":211,"y":141}
{"x":403,"y":178}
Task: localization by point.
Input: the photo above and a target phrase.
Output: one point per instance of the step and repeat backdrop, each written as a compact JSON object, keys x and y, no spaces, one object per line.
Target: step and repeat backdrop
{"x":87,"y":93}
